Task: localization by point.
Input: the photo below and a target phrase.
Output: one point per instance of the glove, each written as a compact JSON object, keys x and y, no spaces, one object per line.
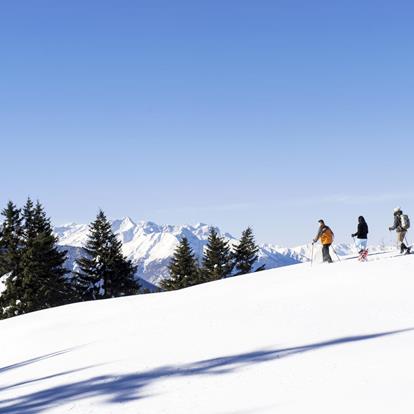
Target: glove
{"x":352,"y":235}
{"x":389,"y":228}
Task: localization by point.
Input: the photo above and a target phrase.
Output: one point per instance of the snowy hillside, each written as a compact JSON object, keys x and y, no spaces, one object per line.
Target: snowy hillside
{"x":150,"y":246}
{"x":328,"y":339}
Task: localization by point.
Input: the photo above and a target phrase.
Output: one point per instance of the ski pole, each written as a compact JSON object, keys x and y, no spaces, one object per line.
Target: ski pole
{"x":312,"y":255}
{"x":356,"y":247}
{"x":354,"y":242}
{"x":336,"y":254}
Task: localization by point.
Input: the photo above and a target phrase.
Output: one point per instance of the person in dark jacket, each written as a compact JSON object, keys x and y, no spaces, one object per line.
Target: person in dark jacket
{"x":400,"y":231}
{"x":326,"y":236}
{"x":361,"y":235}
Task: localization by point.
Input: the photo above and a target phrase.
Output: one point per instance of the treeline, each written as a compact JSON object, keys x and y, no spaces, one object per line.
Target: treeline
{"x":32,"y":267}
{"x":219,"y":261}
{"x":33,"y":274}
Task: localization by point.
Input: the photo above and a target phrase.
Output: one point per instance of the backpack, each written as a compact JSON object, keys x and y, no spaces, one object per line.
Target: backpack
{"x":327,"y":236}
{"x":405,"y":222}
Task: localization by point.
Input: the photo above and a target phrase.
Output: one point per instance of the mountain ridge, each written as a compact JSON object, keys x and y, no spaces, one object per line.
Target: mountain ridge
{"x":150,"y":245}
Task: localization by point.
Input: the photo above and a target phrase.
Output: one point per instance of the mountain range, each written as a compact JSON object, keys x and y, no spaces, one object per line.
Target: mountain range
{"x":150,"y":246}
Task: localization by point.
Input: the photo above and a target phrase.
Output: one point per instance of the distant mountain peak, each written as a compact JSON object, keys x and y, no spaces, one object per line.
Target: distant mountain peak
{"x":124,"y":223}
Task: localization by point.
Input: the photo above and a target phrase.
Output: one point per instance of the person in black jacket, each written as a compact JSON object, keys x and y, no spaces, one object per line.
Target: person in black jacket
{"x":361,"y":235}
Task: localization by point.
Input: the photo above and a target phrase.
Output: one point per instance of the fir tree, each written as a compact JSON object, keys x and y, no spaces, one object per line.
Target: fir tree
{"x":245,"y":253}
{"x":217,"y":262}
{"x":104,"y":271}
{"x":183,"y":268}
{"x":10,"y":259}
{"x":44,"y":281}
{"x":30,"y":232}
{"x":10,"y":239}
{"x":38,"y":281}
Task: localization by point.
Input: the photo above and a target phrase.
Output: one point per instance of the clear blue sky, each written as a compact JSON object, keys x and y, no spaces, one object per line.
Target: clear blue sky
{"x":265,"y":113}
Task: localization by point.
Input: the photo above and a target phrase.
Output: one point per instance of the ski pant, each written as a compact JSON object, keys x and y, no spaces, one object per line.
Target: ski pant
{"x":325,"y":253}
{"x":400,"y":239}
{"x":361,"y":244}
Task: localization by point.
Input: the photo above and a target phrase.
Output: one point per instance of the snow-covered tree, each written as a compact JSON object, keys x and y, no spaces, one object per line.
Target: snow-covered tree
{"x":10,"y":258}
{"x":44,"y":282}
{"x":38,"y":280}
{"x":104,"y":271}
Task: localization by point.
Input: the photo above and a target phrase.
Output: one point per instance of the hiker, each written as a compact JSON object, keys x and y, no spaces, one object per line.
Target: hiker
{"x":401,"y":225}
{"x":361,"y":235}
{"x":326,"y":236}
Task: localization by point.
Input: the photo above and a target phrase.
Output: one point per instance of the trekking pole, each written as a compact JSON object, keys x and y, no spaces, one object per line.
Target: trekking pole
{"x":336,"y":254}
{"x":354,"y":242}
{"x":408,"y":246}
{"x":356,"y":247}
{"x":312,"y":255}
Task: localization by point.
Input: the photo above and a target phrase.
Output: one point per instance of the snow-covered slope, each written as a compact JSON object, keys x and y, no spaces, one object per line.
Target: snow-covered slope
{"x":328,"y":339}
{"x":150,"y":246}
{"x":342,"y":250}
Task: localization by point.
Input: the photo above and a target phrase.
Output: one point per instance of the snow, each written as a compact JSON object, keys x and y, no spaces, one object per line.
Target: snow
{"x":328,"y":338}
{"x":3,"y":281}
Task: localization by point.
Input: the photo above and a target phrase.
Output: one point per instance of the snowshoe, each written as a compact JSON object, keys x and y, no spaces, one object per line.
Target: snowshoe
{"x":363,"y":255}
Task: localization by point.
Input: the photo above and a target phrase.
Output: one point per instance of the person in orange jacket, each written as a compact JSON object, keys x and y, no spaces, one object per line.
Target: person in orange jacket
{"x":325,"y":234}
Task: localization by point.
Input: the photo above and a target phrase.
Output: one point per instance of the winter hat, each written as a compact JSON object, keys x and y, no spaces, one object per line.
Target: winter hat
{"x":397,"y":209}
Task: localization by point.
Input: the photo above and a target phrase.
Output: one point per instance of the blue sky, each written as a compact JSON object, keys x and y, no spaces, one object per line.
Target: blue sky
{"x":267,"y":113}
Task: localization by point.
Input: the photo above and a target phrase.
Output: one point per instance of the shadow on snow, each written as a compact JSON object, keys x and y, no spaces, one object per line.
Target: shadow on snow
{"x":128,"y":387}
{"x":34,"y":360}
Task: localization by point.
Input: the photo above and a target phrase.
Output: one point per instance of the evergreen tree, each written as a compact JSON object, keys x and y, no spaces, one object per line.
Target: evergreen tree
{"x":30,"y":232}
{"x":183,"y":268}
{"x":10,"y":259}
{"x":245,"y":254}
{"x":104,"y":271}
{"x":39,"y":281}
{"x":10,"y":239}
{"x":217,"y":263}
{"x":44,"y":281}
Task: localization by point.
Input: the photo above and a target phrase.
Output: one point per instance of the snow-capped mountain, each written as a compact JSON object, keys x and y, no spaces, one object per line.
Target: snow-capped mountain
{"x":150,"y":246}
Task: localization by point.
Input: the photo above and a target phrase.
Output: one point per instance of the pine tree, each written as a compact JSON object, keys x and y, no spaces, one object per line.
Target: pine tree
{"x":38,"y":280}
{"x":29,"y":221}
{"x":183,"y":268}
{"x":245,"y":253}
{"x":10,"y":239}
{"x":44,"y":281}
{"x":104,"y":271}
{"x":217,"y":262}
{"x":10,"y":259}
